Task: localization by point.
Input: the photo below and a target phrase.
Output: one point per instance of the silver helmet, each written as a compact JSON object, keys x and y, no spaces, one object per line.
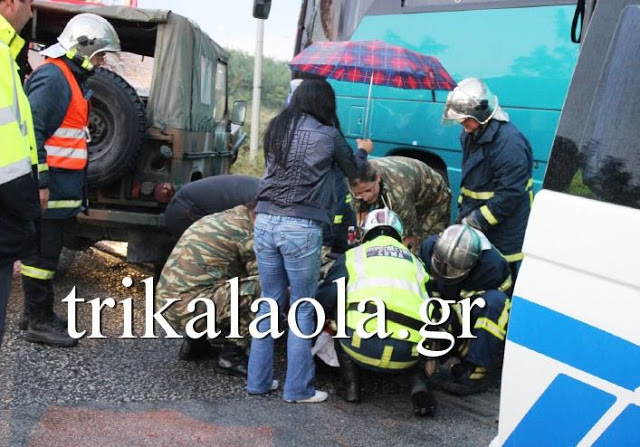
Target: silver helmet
{"x":472,"y":99}
{"x":456,"y":252}
{"x":87,"y":34}
{"x":383,"y":218}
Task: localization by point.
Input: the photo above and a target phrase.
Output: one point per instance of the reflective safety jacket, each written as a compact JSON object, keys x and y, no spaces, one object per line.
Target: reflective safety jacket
{"x":67,"y":147}
{"x":18,"y":191}
{"x":60,"y":111}
{"x":385,"y":269}
{"x":497,"y":184}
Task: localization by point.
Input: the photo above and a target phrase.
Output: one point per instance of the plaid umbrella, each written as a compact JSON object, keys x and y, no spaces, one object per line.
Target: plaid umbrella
{"x":373,"y":62}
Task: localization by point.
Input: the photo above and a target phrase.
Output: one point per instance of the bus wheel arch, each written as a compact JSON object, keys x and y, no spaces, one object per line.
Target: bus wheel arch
{"x":435,"y":162}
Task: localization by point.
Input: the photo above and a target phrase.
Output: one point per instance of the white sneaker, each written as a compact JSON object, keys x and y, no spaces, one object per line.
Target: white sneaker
{"x":320,"y":396}
{"x":274,"y":385}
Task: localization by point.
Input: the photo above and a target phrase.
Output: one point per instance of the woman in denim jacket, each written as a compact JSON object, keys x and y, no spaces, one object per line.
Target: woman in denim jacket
{"x":302,"y":145}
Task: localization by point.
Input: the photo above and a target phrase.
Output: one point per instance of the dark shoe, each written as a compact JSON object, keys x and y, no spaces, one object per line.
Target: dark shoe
{"x":422,"y":398}
{"x":424,"y":403}
{"x":193,"y":348}
{"x":467,"y":378}
{"x":233,"y":361}
{"x":50,"y":332}
{"x":350,"y":376}
{"x":24,"y":320}
{"x":351,"y":381}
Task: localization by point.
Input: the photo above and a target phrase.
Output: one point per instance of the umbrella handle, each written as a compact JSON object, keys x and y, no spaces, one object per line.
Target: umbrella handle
{"x":366,"y":113}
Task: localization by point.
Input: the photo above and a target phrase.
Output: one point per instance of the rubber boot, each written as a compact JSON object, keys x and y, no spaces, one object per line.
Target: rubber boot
{"x":422,"y":397}
{"x":350,"y":377}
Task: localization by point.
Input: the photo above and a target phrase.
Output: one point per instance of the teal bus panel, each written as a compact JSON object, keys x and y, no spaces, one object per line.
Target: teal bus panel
{"x":524,"y":54}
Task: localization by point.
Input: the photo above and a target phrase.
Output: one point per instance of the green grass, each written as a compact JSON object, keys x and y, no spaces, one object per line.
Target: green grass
{"x":244,"y":165}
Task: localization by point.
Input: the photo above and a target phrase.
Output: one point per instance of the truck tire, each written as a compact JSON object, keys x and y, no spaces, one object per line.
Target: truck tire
{"x":117,"y":126}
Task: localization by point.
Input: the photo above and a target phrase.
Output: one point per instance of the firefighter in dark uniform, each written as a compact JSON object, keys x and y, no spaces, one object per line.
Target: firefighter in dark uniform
{"x":382,"y":267}
{"x":59,"y":101}
{"x":497,"y":185}
{"x":462,"y":264}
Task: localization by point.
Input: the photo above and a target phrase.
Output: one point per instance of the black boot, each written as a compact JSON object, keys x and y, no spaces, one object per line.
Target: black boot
{"x":233,"y":360}
{"x":193,"y":348}
{"x":48,"y":331}
{"x":422,"y":398}
{"x":24,"y":320}
{"x":350,"y":377}
{"x":467,"y":378}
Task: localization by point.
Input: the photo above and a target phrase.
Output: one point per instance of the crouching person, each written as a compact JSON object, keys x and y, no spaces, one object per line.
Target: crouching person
{"x":382,"y":268}
{"x":212,"y":251}
{"x":463,"y":264}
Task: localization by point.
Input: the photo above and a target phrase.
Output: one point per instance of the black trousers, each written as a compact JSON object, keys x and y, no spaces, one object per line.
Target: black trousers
{"x":38,"y":291}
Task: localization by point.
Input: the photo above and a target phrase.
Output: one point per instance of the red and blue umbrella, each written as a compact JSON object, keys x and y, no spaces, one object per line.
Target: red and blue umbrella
{"x":375,"y":63}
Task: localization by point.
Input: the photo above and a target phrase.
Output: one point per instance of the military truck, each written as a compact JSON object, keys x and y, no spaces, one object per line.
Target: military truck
{"x":149,"y":139}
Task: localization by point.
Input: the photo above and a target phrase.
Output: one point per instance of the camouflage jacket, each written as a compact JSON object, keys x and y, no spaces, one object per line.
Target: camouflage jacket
{"x":413,"y":190}
{"x":211,"y":251}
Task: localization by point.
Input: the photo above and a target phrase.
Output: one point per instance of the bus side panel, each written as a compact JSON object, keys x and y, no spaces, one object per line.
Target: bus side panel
{"x":524,"y":54}
{"x":572,"y":357}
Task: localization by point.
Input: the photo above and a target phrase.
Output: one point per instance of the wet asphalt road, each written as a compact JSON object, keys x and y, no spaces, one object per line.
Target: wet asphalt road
{"x":114,"y":392}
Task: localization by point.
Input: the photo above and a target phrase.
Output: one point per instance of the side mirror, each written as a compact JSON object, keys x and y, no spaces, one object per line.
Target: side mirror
{"x":261,"y":9}
{"x":239,"y":112}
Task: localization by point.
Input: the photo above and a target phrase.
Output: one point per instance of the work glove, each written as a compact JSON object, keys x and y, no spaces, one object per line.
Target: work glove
{"x":474,"y":221}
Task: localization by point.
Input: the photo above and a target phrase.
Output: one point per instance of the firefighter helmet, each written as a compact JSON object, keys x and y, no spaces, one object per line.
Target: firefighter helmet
{"x":456,"y":252}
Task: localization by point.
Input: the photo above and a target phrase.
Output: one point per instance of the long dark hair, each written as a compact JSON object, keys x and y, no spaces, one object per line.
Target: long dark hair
{"x":313,"y":97}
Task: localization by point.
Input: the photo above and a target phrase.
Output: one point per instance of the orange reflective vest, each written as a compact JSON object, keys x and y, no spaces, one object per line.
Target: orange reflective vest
{"x":67,"y":147}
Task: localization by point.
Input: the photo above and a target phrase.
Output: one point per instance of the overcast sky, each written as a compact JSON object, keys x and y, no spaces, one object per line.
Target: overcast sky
{"x":230,"y":23}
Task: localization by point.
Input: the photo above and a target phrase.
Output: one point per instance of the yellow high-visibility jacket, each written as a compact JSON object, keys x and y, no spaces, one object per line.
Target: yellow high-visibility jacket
{"x":19,"y":206}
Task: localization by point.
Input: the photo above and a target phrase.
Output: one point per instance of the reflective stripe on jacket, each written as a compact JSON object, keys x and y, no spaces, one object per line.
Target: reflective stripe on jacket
{"x":19,"y":206}
{"x":496,"y":185}
{"x":67,"y":147}
{"x":385,"y":269}
{"x":18,"y":150}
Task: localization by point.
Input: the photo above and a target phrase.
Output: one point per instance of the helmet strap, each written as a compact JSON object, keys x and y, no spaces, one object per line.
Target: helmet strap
{"x":78,"y":59}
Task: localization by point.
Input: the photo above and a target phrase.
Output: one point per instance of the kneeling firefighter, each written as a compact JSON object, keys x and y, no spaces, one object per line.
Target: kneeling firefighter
{"x":462,"y":264}
{"x":382,"y":268}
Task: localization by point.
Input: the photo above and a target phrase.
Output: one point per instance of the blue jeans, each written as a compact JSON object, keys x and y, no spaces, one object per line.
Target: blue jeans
{"x":288,"y":250}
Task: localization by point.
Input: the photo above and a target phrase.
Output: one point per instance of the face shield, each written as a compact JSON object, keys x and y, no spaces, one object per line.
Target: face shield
{"x":447,"y":273}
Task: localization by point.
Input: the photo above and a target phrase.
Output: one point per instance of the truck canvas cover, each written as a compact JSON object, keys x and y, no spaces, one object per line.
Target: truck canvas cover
{"x":183,"y":93}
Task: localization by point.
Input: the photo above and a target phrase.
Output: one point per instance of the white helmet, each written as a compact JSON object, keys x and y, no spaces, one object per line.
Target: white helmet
{"x":472,"y":99}
{"x":383,"y":219}
{"x":87,"y":34}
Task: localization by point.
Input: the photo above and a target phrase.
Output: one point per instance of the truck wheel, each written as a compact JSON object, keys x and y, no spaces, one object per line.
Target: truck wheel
{"x":117,"y":127}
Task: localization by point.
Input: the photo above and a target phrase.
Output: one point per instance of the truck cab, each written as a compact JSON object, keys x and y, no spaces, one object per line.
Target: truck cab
{"x":571,"y":372}
{"x":159,"y":119}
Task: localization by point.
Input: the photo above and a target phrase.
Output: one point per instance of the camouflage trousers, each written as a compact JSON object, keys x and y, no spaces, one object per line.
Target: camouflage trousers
{"x":219,"y":294}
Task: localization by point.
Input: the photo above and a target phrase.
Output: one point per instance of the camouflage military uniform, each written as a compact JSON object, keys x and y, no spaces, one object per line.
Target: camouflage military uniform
{"x":211,"y":251}
{"x":417,"y":193}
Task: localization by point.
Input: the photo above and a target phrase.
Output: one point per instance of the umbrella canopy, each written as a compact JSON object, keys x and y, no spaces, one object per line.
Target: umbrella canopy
{"x":373,"y":62}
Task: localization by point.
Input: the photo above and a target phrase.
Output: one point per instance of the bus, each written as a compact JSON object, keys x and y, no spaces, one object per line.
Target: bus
{"x":522,"y":49}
